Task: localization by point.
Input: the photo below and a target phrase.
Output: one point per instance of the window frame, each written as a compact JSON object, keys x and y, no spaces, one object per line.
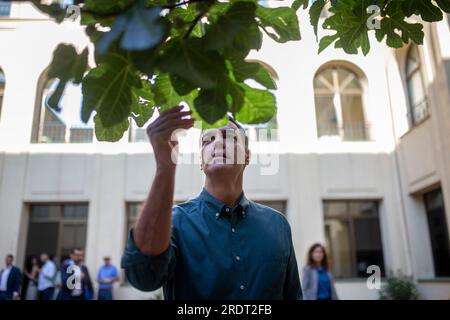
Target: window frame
{"x":409,"y":75}
{"x":337,"y":90}
{"x":60,"y":220}
{"x":432,"y":211}
{"x":349,"y":217}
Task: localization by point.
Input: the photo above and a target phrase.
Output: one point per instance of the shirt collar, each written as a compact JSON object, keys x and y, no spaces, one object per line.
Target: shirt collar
{"x":219,"y":206}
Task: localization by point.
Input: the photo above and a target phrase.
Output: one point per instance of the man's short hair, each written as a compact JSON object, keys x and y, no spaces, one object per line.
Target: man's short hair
{"x":10,"y":256}
{"x":75,"y":249}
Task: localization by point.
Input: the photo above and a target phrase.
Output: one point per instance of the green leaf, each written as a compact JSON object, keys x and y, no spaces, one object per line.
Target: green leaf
{"x":67,"y":65}
{"x":314,"y":13}
{"x":326,"y":41}
{"x":425,"y":8}
{"x":444,"y":5}
{"x":396,"y":30}
{"x":139,"y":29}
{"x":107,"y":7}
{"x":107,"y":89}
{"x":112,"y":133}
{"x":166,"y":96}
{"x":189,"y":60}
{"x":181,"y":86}
{"x":54,"y":10}
{"x":211,"y":105}
{"x":244,"y":70}
{"x":181,"y":18}
{"x":259,"y":106}
{"x":297,"y":4}
{"x":349,"y":20}
{"x":236,"y":19}
{"x":250,"y":38}
{"x":282,"y":20}
{"x":143,"y":103}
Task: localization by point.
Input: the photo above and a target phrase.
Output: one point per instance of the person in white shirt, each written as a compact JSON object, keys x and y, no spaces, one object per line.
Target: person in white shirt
{"x":10,"y":280}
{"x":46,"y":281}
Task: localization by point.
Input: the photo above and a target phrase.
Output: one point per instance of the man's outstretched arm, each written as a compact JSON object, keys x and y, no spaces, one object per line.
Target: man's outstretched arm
{"x":149,"y":257}
{"x":152,"y":231}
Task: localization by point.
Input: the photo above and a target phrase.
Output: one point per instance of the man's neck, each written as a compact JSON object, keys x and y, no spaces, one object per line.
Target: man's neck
{"x":226,"y":190}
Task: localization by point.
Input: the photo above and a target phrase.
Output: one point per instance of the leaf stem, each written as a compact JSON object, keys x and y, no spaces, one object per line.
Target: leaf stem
{"x":172,"y":6}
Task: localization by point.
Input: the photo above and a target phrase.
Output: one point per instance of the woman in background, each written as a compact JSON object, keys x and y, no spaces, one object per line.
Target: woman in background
{"x":32,"y":274}
{"x":317,"y":282}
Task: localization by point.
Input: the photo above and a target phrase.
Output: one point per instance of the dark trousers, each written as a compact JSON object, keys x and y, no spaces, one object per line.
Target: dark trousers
{"x":105,"y":294}
{"x":4,"y":295}
{"x":47,"y":294}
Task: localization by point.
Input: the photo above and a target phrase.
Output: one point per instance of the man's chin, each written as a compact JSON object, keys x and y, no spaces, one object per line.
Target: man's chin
{"x":216,"y":167}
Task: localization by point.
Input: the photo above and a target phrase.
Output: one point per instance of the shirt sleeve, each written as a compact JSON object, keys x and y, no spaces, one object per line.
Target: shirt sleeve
{"x":49,"y":271}
{"x":147,"y":272}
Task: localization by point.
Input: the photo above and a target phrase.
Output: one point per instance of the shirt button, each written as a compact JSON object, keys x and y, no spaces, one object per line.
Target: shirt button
{"x":238,"y":258}
{"x":242,"y":287}
{"x":233,"y":230}
{"x":217,"y":215}
{"x":227,"y":209}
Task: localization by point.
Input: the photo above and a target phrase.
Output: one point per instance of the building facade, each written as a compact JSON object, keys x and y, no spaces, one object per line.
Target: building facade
{"x":360,"y":160}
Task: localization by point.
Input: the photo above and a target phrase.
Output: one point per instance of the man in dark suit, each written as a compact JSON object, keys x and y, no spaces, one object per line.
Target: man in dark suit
{"x":76,"y":282}
{"x":10,"y":280}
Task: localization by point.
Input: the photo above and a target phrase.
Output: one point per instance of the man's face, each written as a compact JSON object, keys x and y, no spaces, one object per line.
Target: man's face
{"x":107,"y":261}
{"x":43,"y":258}
{"x":9,"y":260}
{"x":77,"y":256}
{"x":224,"y":149}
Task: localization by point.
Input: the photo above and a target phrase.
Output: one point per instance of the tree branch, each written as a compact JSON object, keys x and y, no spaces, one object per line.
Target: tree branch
{"x":199,"y":16}
{"x":172,"y":6}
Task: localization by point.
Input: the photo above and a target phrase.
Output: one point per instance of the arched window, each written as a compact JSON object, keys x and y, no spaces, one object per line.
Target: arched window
{"x":338,"y":93}
{"x":2,"y":89}
{"x":416,"y":87}
{"x":64,"y":126}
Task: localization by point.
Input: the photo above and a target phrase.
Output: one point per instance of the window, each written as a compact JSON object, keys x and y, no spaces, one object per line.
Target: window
{"x":64,"y":126}
{"x":56,"y":229}
{"x":352,"y":232}
{"x":5,"y":8}
{"x":437,"y":224}
{"x":2,"y":89}
{"x":416,"y":87}
{"x":338,"y":96}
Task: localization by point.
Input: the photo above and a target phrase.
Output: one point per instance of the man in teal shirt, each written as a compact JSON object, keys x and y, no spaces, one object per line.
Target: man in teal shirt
{"x":219,"y":245}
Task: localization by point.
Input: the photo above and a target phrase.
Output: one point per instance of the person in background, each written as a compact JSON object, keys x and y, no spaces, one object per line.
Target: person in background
{"x":88,"y":288}
{"x":57,"y":282}
{"x":70,"y":276}
{"x":46,"y":282}
{"x":316,"y":280}
{"x":32,"y":274}
{"x":107,"y":275}
{"x":10,"y":280}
